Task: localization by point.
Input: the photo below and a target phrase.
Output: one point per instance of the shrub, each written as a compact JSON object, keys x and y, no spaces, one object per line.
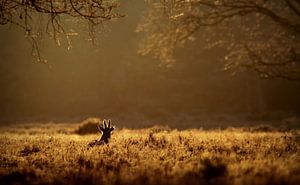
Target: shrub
{"x":88,"y":126}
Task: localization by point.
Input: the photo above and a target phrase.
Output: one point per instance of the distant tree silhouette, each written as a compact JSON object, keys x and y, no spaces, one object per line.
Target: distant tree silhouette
{"x":260,"y":35}
{"x":38,"y":16}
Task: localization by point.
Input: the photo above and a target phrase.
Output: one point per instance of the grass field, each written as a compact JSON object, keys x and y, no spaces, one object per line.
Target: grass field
{"x":58,"y":154}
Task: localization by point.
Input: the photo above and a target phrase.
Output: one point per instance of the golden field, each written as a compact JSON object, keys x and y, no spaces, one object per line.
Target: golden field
{"x":58,"y":154}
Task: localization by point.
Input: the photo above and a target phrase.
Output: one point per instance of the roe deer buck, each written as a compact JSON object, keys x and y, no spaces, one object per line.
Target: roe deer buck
{"x":106,"y":130}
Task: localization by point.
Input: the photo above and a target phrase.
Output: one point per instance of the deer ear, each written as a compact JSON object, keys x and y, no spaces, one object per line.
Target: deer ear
{"x":100,"y":128}
{"x":112,"y":128}
{"x":104,"y":123}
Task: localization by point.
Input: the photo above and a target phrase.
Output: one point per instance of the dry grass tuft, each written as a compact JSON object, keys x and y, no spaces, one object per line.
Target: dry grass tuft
{"x":28,"y":150}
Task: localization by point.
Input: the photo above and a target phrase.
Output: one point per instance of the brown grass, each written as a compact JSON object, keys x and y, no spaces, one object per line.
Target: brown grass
{"x":149,"y":156}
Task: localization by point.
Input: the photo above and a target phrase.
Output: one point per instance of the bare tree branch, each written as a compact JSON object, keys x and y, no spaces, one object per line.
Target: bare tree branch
{"x":24,"y":13}
{"x":271,"y":27}
{"x":293,"y":7}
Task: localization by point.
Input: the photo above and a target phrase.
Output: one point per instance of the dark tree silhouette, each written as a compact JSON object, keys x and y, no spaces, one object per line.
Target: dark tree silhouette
{"x":51,"y":16}
{"x":260,"y":35}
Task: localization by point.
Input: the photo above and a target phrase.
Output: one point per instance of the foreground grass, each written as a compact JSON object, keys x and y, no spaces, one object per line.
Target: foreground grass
{"x":149,"y":156}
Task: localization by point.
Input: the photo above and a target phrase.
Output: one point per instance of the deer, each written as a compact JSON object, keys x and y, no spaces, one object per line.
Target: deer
{"x":106,"y":130}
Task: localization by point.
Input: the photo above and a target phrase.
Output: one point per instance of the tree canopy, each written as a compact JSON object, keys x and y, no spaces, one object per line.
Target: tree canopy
{"x":260,"y":35}
{"x":37,"y":17}
{"x":257,"y":35}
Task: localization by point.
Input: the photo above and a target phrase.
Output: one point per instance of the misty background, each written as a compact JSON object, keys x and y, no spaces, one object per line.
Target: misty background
{"x":111,"y":80}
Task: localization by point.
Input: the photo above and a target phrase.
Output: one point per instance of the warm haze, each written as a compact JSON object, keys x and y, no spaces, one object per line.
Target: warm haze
{"x":199,"y":92}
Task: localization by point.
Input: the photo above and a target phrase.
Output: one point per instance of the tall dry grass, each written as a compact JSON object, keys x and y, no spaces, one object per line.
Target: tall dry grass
{"x":159,"y":155}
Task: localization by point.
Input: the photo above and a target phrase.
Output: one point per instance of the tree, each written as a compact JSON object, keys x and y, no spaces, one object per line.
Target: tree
{"x":258,"y":35}
{"x":37,"y":17}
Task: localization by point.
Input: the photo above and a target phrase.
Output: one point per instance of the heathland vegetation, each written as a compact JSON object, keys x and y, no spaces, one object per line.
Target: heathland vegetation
{"x":59,"y":154}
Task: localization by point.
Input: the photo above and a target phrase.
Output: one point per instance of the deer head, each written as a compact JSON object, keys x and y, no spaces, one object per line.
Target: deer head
{"x":106,"y":131}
